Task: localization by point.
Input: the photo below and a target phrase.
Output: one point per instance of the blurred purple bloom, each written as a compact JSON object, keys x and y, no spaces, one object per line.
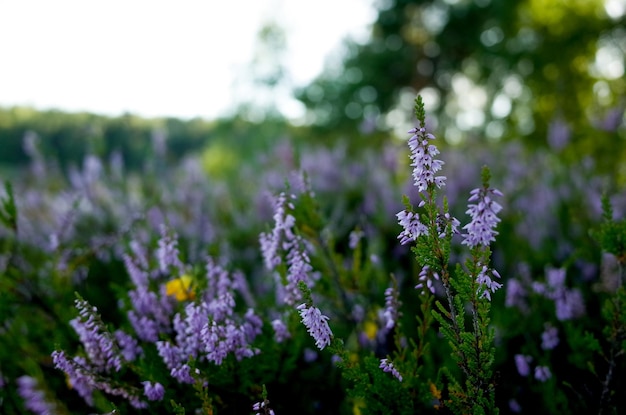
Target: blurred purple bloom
{"x":549,"y":337}
{"x":128,"y":345}
{"x":354,"y":238}
{"x":542,"y":373}
{"x":34,"y":398}
{"x":281,"y":333}
{"x":76,"y":370}
{"x":168,"y":254}
{"x":391,"y":307}
{"x":522,"y":364}
{"x":310,"y":355}
{"x":98,"y":343}
{"x":388,"y":366}
{"x":270,"y":242}
{"x":316,"y":324}
{"x":480,"y":231}
{"x":569,"y":303}
{"x":153,"y":391}
{"x":516,"y":295}
{"x":559,"y":134}
{"x":427,"y":276}
{"x":175,"y":361}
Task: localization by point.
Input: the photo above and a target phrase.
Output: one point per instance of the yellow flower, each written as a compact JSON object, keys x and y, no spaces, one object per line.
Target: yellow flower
{"x":181,"y":288}
{"x":370,"y":328}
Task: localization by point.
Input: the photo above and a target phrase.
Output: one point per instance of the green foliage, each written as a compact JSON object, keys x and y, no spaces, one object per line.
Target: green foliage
{"x":8,"y":211}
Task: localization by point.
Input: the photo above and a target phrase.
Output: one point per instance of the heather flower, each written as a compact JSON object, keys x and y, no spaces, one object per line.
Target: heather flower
{"x":427,"y":276}
{"x":129,"y":347}
{"x":283,"y":224}
{"x":153,"y":391}
{"x":424,"y":164}
{"x":262,"y":408}
{"x":388,"y":366}
{"x":569,"y":303}
{"x":354,"y":238}
{"x":485,"y":283}
{"x":310,"y":355}
{"x":283,"y":239}
{"x":412,"y":227}
{"x":175,"y":361}
{"x":98,"y":343}
{"x":75,"y":369}
{"x":522,"y":364}
{"x":480,"y":231}
{"x":167,"y":253}
{"x":151,"y":313}
{"x":542,"y":373}
{"x":515,"y":295}
{"x":281,"y":333}
{"x":34,"y":398}
{"x":549,"y":337}
{"x":316,"y":324}
{"x":391,"y":307}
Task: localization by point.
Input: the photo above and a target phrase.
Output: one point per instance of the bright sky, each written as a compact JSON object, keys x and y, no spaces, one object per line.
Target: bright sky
{"x":158,"y":58}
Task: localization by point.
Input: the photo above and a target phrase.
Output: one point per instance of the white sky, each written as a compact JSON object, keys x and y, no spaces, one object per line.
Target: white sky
{"x":158,"y":58}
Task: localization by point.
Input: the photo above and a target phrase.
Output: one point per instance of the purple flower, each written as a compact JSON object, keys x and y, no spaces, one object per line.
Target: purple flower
{"x":569,"y":304}
{"x":516,"y":295}
{"x":281,"y":333}
{"x":168,"y":254}
{"x":354,"y":238}
{"x":34,"y":398}
{"x":175,"y":361}
{"x":153,"y":391}
{"x":412,"y":227}
{"x":549,"y":337}
{"x":542,"y":373}
{"x":129,"y":347}
{"x":391,"y":307}
{"x":316,"y":324}
{"x":283,"y":225}
{"x":424,"y":164}
{"x":76,"y":369}
{"x":388,"y":366}
{"x":522,"y":364}
{"x":427,"y":276}
{"x":98,"y":343}
{"x":262,"y":408}
{"x":284,"y":240}
{"x":485,"y":283}
{"x":480,"y":231}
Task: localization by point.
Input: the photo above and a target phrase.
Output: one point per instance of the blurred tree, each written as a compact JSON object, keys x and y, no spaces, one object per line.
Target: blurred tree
{"x":495,"y":68}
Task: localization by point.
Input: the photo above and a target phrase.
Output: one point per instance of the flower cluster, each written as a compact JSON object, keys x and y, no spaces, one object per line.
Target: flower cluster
{"x":317,"y":325}
{"x":392,"y":303}
{"x":388,"y":366}
{"x":34,"y":398}
{"x":424,"y":164}
{"x":210,"y":330}
{"x":100,"y":346}
{"x":480,"y":231}
{"x":283,"y":238}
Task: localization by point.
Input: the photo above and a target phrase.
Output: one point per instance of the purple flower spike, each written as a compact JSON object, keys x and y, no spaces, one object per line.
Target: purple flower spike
{"x":424,"y":164}
{"x":480,"y":231}
{"x":388,"y":366}
{"x":317,"y":325}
